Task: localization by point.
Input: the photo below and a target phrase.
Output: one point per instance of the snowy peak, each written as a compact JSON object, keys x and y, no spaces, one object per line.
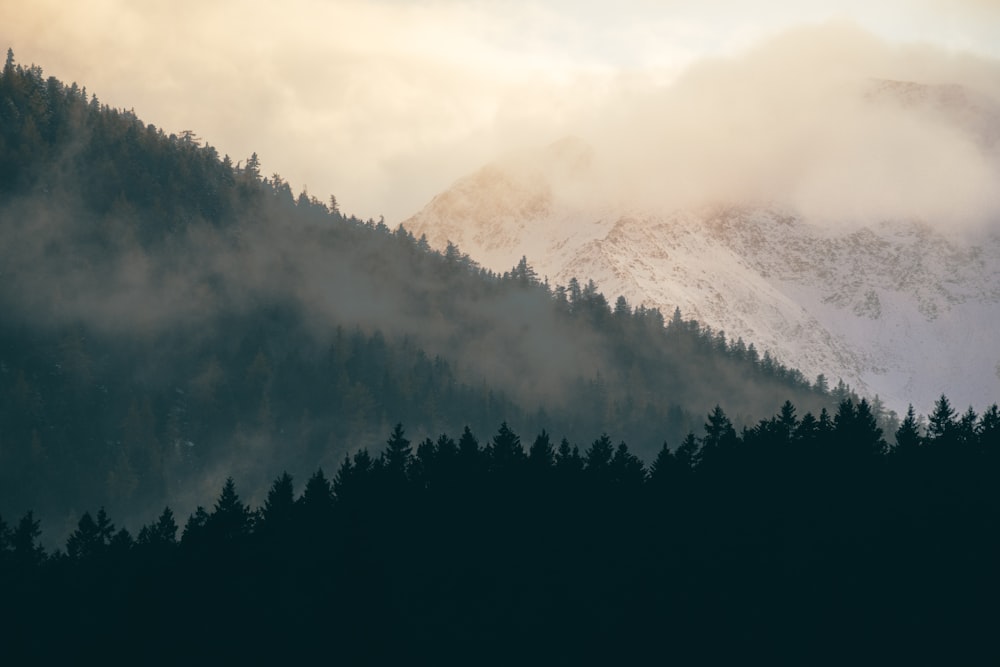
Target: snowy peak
{"x":903,"y":306}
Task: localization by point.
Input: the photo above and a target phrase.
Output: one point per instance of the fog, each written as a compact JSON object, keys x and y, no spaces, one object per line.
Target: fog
{"x":816,"y":120}
{"x":386,"y":103}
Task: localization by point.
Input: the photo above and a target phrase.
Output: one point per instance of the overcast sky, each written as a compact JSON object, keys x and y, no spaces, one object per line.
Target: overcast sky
{"x":385,"y":103}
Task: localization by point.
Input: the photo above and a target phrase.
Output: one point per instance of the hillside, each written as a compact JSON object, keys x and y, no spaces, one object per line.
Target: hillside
{"x":172,"y":318}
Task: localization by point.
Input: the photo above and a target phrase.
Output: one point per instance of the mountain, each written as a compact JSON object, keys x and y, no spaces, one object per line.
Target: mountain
{"x":895,"y":307}
{"x":172,"y":318}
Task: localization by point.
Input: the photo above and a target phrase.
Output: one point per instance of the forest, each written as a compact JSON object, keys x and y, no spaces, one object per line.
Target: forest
{"x":173,"y":318}
{"x":187,"y":347}
{"x":801,"y":540}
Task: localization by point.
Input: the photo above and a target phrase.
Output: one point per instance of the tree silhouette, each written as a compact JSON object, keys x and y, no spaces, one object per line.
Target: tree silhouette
{"x":719,"y":439}
{"x":908,"y":435}
{"x":317,"y":500}
{"x":230,"y":520}
{"x":88,"y":540}
{"x":541,"y":455}
{"x":162,"y":533}
{"x":597,"y":459}
{"x":397,"y":454}
{"x":627,"y":470}
{"x":505,"y":451}
{"x":941,"y":422}
{"x":278,"y":514}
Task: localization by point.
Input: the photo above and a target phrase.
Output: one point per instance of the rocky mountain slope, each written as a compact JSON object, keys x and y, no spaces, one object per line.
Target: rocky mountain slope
{"x":902,"y":308}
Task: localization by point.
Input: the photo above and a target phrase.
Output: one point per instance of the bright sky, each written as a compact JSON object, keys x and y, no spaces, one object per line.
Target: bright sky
{"x":386,"y":102}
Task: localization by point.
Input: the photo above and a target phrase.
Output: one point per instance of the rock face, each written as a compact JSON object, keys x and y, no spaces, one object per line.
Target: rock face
{"x":897,"y":308}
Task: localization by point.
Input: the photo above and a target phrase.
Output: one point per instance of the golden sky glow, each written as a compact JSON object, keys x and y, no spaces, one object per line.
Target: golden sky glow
{"x":385,"y":103}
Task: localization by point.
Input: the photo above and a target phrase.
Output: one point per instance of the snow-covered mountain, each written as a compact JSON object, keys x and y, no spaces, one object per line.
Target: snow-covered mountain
{"x":895,"y":307}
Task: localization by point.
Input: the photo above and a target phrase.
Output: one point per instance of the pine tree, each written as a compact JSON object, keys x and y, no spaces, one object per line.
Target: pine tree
{"x":941,"y":422}
{"x":505,"y":452}
{"x":907,"y":435}
{"x":622,"y":310}
{"x":856,"y":430}
{"x":163,"y":533}
{"x":786,"y":418}
{"x":663,"y":468}
{"x":317,"y":501}
{"x":195,"y":527}
{"x":398,"y":453}
{"x":85,"y":541}
{"x":989,"y":431}
{"x":967,"y":429}
{"x":230,"y":520}
{"x":279,"y":507}
{"x":424,"y":463}
{"x":688,"y":454}
{"x":597,"y":459}
{"x":568,"y":459}
{"x":627,"y":470}
{"x":541,"y":456}
{"x":719,"y":439}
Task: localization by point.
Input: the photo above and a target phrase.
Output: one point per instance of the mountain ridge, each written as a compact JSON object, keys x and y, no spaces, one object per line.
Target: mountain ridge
{"x":895,"y":307}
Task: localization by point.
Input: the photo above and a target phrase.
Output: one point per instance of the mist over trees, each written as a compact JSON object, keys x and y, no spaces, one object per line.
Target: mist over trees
{"x":173,"y":317}
{"x":178,"y":328}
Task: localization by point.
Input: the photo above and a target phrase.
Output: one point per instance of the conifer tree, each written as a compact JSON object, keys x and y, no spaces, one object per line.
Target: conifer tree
{"x":787,"y":419}
{"x":279,"y":507}
{"x":317,"y":501}
{"x":807,"y":431}
{"x":627,"y":470}
{"x":989,"y":431}
{"x":568,"y":459}
{"x":941,"y":421}
{"x":688,"y":453}
{"x":194,"y":528}
{"x":505,"y":452}
{"x":967,"y":429}
{"x":719,"y":439}
{"x":541,"y":456}
{"x":447,"y":452}
{"x":85,"y":541}
{"x":230,"y":520}
{"x":424,"y":463}
{"x":397,"y":454}
{"x":663,"y":468}
{"x":162,"y":533}
{"x":907,"y":435}
{"x":597,"y":459}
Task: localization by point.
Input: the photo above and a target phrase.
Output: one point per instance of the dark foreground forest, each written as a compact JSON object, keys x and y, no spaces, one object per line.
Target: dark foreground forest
{"x":802,"y":540}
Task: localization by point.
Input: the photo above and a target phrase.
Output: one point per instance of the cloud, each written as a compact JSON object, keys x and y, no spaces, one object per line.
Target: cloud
{"x":813,"y":120}
{"x":386,"y":103}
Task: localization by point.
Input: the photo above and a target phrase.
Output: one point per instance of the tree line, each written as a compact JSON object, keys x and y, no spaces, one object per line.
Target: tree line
{"x":800,"y":539}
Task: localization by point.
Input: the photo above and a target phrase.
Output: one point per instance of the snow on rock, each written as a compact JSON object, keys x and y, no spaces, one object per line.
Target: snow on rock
{"x":895,"y":308}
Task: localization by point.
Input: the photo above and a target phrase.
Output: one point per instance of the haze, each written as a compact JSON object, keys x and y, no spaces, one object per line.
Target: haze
{"x":386,"y":103}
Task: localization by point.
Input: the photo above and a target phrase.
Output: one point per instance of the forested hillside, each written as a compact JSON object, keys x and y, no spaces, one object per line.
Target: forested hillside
{"x":172,"y":318}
